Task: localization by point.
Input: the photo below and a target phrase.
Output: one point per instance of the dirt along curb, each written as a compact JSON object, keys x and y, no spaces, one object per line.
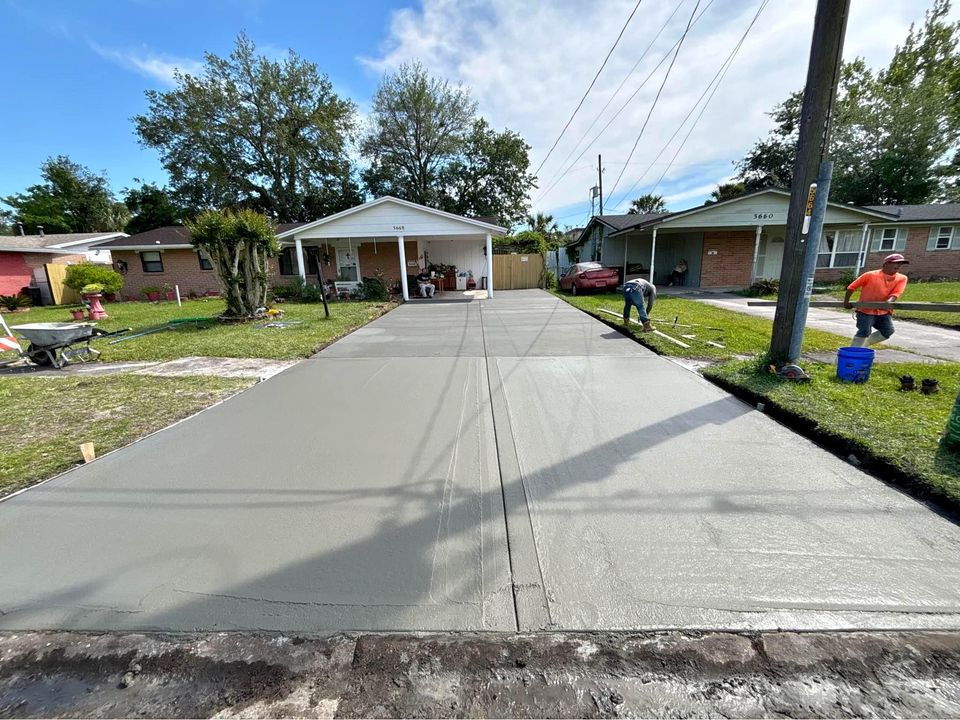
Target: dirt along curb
{"x":669,"y":674}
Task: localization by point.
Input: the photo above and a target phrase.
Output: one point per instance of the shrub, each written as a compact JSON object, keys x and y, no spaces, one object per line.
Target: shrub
{"x":372,"y":288}
{"x":551,"y":280}
{"x":15,"y":302}
{"x":86,"y":273}
{"x":762,"y":287}
{"x":846,"y":278}
{"x":311,"y":293}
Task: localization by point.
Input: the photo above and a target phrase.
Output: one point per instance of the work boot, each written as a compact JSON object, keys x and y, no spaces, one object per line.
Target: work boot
{"x":647,"y":327}
{"x":858,"y":341}
{"x":875,"y":337}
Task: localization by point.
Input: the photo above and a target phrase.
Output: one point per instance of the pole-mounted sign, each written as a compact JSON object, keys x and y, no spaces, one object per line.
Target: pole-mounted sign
{"x":808,"y":212}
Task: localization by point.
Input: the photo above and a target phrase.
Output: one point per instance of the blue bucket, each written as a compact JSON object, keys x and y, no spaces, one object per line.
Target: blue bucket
{"x":854,"y":363}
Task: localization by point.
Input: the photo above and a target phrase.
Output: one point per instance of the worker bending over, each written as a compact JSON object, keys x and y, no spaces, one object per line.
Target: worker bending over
{"x":884,"y":285}
{"x":635,"y":292}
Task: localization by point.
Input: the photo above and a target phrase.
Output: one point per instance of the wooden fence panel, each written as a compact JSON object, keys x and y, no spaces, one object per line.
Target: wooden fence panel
{"x":517,"y":272}
{"x":62,"y":295}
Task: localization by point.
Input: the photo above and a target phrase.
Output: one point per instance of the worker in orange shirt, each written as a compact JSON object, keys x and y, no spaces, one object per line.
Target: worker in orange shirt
{"x":883,"y":285}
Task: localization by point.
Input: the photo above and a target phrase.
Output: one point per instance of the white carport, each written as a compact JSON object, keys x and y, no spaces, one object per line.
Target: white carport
{"x":386,"y":230}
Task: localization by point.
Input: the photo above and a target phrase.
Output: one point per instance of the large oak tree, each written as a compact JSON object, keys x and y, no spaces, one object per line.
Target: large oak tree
{"x":257,"y":133}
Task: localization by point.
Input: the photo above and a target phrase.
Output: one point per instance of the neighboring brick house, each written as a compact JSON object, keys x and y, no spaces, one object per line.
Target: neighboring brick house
{"x":23,"y":257}
{"x":164,"y":257}
{"x":731,"y":243}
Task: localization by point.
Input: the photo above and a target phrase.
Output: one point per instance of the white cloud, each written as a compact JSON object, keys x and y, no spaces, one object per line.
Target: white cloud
{"x":159,"y":67}
{"x":527,"y":64}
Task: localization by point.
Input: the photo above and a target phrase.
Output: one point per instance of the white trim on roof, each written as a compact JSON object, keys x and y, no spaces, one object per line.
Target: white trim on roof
{"x":50,"y":250}
{"x":390,"y":199}
{"x":88,"y":241}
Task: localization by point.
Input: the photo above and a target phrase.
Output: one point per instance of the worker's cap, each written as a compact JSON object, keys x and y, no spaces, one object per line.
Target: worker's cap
{"x":896,"y":258}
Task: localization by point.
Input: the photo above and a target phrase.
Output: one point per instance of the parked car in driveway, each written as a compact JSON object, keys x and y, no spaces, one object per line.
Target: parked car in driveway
{"x":589,"y":276}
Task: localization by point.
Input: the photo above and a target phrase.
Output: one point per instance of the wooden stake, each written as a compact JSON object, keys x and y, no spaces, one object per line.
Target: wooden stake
{"x":88,"y":452}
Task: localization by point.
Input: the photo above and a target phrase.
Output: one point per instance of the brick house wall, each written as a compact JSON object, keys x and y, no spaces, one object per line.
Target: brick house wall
{"x":386,"y":259}
{"x":924,"y":264}
{"x":727,"y":258}
{"x":180,"y":267}
{"x":16,"y":268}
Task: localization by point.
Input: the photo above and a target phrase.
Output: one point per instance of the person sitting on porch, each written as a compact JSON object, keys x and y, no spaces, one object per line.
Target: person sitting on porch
{"x":678,"y":273}
{"x":426,"y":287}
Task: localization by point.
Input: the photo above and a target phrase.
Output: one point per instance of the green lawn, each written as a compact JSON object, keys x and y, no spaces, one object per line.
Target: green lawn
{"x":216,"y":339}
{"x":900,"y":428}
{"x":44,"y":420}
{"x":740,"y":334}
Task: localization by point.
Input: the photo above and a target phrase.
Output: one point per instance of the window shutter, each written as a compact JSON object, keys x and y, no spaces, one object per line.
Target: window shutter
{"x":876,"y":235}
{"x":932,"y":238}
{"x":900,"y":244}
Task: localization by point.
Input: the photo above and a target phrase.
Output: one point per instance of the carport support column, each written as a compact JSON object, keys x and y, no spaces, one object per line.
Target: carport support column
{"x":300,"y":270}
{"x":489,"y":266}
{"x":403,"y":269}
{"x":653,"y":252}
{"x":756,"y":254}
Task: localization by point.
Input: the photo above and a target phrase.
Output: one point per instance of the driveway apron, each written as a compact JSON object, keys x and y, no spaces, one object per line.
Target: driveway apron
{"x":500,"y":465}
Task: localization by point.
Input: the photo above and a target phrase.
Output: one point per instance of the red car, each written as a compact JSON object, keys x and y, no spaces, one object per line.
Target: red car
{"x":589,"y":276}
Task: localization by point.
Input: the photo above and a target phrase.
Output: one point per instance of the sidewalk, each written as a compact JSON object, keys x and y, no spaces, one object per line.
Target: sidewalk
{"x":925,"y":340}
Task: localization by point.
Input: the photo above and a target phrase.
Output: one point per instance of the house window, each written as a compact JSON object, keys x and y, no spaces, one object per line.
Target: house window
{"x":888,"y":239}
{"x":152,"y":262}
{"x":205,"y":263}
{"x":838,"y":249}
{"x":288,"y":261}
{"x":944,"y":237}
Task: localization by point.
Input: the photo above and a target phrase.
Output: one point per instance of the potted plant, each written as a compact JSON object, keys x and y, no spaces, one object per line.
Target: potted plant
{"x":77,"y":312}
{"x":92,"y":293}
{"x":168,"y":292}
{"x":151,"y":292}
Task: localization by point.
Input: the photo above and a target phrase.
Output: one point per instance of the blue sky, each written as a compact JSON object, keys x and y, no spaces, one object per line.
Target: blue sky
{"x":76,"y":72}
{"x":72,"y":82}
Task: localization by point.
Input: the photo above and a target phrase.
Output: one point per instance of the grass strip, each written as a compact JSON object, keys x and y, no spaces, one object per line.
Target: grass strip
{"x":238,"y":340}
{"x":43,"y":420}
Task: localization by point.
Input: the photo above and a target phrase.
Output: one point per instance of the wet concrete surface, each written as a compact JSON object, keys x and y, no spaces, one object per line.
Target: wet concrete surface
{"x":501,"y":466}
{"x":490,"y":675}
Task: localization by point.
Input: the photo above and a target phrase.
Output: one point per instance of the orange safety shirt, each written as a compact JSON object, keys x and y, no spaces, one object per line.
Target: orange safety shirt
{"x":877,"y":286}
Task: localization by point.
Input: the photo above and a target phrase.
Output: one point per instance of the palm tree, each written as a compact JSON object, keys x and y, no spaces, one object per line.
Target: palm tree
{"x":646,"y":204}
{"x":548,"y":228}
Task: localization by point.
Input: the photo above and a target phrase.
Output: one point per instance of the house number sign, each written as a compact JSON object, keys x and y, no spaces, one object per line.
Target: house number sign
{"x":763,"y":216}
{"x":398,"y":227}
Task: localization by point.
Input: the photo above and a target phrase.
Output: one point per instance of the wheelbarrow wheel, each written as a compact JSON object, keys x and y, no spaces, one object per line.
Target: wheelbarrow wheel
{"x":41,"y":357}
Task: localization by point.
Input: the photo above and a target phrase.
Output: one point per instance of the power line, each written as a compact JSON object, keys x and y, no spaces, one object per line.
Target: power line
{"x":622,"y":83}
{"x":623,"y":107}
{"x":714,"y":84}
{"x":592,"y":82}
{"x":656,"y":99}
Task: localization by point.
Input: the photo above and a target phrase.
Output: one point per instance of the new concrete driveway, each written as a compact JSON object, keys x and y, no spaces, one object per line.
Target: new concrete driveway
{"x":498,"y":465}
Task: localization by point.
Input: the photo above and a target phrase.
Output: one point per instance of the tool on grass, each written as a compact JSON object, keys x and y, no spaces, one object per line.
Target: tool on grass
{"x":169,"y":325}
{"x":790,"y":371}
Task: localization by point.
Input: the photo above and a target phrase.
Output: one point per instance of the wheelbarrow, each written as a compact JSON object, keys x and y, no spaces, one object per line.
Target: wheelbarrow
{"x":53,"y":344}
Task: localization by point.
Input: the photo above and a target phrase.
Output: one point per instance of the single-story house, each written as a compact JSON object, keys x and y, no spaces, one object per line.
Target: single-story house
{"x":733,"y":242}
{"x":386,"y":236}
{"x":23,"y":257}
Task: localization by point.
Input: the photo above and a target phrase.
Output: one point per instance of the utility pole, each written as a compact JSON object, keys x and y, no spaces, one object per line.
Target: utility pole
{"x":823,"y":73}
{"x":598,"y":246}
